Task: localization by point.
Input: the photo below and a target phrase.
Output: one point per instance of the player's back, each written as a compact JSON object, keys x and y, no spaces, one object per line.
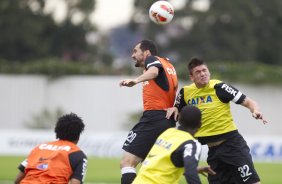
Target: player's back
{"x":49,"y":163}
{"x":158,"y":168}
{"x":154,"y":96}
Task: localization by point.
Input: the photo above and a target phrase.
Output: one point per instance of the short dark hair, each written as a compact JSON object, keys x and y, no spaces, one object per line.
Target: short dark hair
{"x":149,"y":45}
{"x":194,"y":62}
{"x":69,"y":127}
{"x":190,"y":117}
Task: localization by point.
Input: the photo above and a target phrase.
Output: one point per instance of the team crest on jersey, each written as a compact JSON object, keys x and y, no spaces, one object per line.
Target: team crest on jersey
{"x":188,"y":150}
{"x":199,"y":100}
{"x":42,"y":166}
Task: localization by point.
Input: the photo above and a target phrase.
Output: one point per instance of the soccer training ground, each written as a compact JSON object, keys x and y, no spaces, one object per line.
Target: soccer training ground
{"x":106,"y":171}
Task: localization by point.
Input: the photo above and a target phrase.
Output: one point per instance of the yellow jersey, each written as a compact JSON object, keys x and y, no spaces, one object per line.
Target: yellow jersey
{"x":158,"y":167}
{"x":214,"y":102}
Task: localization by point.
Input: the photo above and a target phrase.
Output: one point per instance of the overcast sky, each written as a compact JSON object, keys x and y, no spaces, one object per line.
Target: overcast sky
{"x":107,"y":14}
{"x":110,"y":13}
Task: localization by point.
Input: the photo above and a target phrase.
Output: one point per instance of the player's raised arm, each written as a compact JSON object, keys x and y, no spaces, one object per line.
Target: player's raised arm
{"x":149,"y":74}
{"x":254,"y":108}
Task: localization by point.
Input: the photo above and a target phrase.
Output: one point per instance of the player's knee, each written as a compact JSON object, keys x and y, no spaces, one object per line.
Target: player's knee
{"x":129,"y":162}
{"x":125,"y":162}
{"x":122,"y":163}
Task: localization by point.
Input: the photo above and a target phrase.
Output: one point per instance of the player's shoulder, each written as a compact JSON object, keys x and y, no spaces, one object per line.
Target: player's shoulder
{"x":192,"y":140}
{"x":223,"y":86}
{"x":77,"y":155}
{"x":192,"y":143}
{"x":80,"y":153}
{"x":214,"y":82}
{"x":189,"y":145}
{"x":152,"y":61}
{"x":189,"y":86}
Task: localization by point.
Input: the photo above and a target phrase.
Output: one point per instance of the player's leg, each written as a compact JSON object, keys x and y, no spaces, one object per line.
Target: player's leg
{"x":139,"y":142}
{"x":244,"y":165}
{"x":214,"y":161}
{"x":131,"y":156}
{"x":136,"y":149}
{"x":128,"y":165}
{"x":235,"y":153}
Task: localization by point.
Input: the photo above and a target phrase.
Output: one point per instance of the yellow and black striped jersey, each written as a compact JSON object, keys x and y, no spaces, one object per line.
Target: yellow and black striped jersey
{"x":214,"y":102}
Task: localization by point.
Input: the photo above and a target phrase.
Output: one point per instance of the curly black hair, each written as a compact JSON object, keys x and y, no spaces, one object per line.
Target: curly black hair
{"x":190,"y":117}
{"x":69,"y":127}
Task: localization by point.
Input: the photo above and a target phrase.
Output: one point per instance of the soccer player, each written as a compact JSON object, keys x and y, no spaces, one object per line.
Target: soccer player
{"x":159,"y":91}
{"x":59,"y":161}
{"x":175,"y":152}
{"x":229,"y":155}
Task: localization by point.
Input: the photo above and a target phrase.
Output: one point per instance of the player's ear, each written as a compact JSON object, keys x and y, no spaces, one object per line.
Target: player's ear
{"x":147,"y":53}
{"x":191,"y":77}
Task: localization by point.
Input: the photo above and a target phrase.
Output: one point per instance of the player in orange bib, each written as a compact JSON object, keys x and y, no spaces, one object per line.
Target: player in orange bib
{"x":60,"y":161}
{"x":159,"y":90}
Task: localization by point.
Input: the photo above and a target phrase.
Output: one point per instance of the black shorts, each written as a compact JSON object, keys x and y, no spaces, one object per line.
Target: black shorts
{"x":143,"y":135}
{"x":232,"y":162}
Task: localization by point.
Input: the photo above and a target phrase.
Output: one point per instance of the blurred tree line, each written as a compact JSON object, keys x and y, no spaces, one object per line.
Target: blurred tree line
{"x":28,"y":31}
{"x":228,"y":33}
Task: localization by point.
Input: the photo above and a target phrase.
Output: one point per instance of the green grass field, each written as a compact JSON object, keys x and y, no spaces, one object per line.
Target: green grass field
{"x":106,"y":171}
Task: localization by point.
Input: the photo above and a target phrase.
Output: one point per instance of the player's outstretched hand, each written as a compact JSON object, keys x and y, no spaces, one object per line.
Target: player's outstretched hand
{"x":128,"y":82}
{"x":259,"y":115}
{"x":172,"y":111}
{"x":205,"y":171}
